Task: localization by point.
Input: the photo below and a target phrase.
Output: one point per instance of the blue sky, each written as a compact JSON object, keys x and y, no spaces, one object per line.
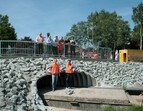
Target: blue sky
{"x":30,"y":17}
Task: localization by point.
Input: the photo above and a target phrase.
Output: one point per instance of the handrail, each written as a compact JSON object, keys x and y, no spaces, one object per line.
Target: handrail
{"x":12,"y":48}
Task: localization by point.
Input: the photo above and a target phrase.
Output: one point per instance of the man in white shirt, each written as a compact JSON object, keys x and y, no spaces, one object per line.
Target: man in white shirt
{"x":72,"y":47}
{"x":55,"y":46}
{"x":49,"y":44}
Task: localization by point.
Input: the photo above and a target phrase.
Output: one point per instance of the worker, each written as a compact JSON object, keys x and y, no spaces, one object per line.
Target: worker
{"x":55,"y":71}
{"x":40,"y":40}
{"x":69,"y":70}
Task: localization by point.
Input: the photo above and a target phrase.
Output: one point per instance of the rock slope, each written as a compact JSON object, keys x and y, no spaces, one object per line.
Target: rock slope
{"x":18,"y":78}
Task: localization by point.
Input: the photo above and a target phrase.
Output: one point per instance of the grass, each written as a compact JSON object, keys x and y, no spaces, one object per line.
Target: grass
{"x":132,"y":108}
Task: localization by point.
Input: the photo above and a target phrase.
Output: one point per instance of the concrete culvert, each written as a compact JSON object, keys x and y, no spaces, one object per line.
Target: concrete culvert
{"x":84,"y":97}
{"x":79,"y":80}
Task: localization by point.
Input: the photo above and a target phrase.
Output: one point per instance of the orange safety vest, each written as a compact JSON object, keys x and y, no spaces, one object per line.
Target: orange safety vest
{"x":55,"y":68}
{"x":39,"y":38}
{"x":69,"y":69}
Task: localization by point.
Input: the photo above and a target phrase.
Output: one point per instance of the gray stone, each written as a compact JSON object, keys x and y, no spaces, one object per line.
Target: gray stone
{"x":69,"y":91}
{"x":9,"y":94}
{"x":1,"y":94}
{"x":2,"y":104}
{"x":6,"y":80}
{"x":14,"y":90}
{"x":14,"y":99}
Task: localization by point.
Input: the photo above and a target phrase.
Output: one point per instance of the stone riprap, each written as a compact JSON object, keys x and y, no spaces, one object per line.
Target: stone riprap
{"x":18,"y":90}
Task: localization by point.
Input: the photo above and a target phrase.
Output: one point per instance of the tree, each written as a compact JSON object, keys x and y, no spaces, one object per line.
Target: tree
{"x":135,"y":37}
{"x":137,"y":17}
{"x":123,"y":34}
{"x":109,"y":29}
{"x":27,"y":38}
{"x":7,"y":32}
{"x":104,"y":28}
{"x":80,"y":32}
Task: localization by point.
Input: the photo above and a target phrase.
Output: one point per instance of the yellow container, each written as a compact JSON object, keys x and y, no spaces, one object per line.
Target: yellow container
{"x":131,"y":55}
{"x":121,"y":57}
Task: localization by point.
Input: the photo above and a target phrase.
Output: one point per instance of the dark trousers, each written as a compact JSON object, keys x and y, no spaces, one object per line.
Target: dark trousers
{"x":69,"y":80}
{"x":66,"y":50}
{"x":55,"y":50}
{"x":39,"y":48}
{"x":49,"y":49}
{"x":72,"y":50}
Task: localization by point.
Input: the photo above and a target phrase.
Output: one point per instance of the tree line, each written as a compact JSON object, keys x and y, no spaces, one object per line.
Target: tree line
{"x":107,"y":29}
{"x":104,"y":29}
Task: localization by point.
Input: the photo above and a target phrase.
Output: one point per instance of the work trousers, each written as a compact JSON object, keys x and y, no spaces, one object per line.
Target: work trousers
{"x":72,"y":51}
{"x":55,"y":50}
{"x":39,"y":48}
{"x":54,"y":81}
{"x":49,"y":49}
{"x":69,"y":80}
{"x":66,"y":50}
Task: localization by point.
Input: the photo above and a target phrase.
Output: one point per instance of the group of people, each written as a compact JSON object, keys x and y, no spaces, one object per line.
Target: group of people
{"x":55,"y":72}
{"x":55,"y":46}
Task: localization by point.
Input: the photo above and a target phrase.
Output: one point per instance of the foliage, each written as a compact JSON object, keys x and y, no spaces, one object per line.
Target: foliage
{"x":26,"y":39}
{"x":135,"y":38}
{"x":138,"y":20}
{"x":80,"y":32}
{"x":109,"y":109}
{"x":138,"y":14}
{"x":7,"y":32}
{"x":109,"y":29}
{"x":102,"y":28}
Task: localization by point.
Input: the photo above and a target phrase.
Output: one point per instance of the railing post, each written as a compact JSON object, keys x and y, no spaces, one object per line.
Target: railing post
{"x":0,"y":48}
{"x":34,"y":49}
{"x":88,"y":53}
{"x":64,"y":50}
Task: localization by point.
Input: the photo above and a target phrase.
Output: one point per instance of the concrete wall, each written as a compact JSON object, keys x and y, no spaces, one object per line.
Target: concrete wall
{"x":19,"y":76}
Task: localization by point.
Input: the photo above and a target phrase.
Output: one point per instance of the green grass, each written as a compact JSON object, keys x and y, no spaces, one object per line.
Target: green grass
{"x":132,"y":108}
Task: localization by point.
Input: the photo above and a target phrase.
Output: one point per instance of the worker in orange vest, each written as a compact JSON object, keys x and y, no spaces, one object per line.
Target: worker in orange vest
{"x":55,"y":71}
{"x":39,"y":43}
{"x":40,"y":39}
{"x":69,"y":70}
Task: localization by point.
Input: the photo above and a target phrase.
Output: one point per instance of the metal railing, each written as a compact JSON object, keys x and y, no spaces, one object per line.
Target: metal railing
{"x":29,"y":48}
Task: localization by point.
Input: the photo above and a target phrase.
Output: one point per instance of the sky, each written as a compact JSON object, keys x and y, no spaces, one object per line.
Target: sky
{"x":31,"y":17}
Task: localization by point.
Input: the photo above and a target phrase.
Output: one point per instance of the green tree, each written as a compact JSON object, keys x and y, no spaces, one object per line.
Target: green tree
{"x":80,"y":32}
{"x":138,"y":20}
{"x":123,"y":34}
{"x":104,"y":28}
{"x":135,"y":37}
{"x":7,"y":32}
{"x":26,"y":38}
{"x":109,"y":29}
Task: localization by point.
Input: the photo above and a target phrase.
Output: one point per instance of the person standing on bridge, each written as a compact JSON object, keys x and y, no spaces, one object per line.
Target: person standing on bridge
{"x":72,"y":47}
{"x":39,"y":43}
{"x":55,"y":71}
{"x":49,"y":44}
{"x":66,"y":46}
{"x":69,"y":70}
